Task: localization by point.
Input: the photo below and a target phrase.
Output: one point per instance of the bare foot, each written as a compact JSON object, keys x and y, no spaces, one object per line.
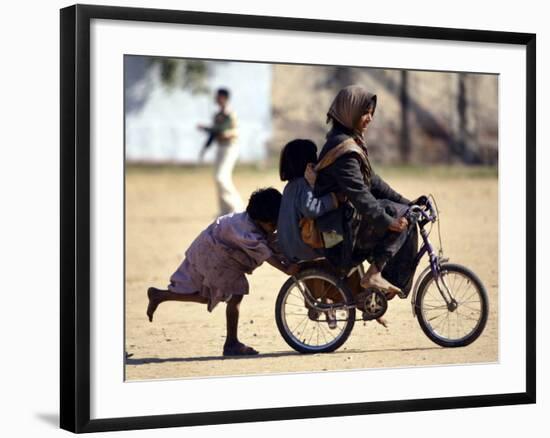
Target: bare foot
{"x":383,"y":322}
{"x":154,"y":301}
{"x":392,"y":294}
{"x":378,"y":282}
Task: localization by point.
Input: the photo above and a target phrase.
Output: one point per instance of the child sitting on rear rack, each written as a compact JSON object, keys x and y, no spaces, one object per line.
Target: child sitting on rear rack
{"x":298,"y":201}
{"x":216,"y":263}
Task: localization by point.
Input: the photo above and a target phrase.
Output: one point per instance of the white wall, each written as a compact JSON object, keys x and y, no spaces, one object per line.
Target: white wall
{"x":30,"y":204}
{"x":163,"y":127}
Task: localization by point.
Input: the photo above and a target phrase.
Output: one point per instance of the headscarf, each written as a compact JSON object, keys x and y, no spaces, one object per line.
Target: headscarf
{"x":349,"y":105}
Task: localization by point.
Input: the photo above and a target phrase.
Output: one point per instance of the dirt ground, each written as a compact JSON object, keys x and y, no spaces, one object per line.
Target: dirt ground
{"x":167,"y":207}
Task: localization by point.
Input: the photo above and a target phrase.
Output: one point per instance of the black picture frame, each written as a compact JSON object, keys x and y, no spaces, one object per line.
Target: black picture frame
{"x":75,"y":217}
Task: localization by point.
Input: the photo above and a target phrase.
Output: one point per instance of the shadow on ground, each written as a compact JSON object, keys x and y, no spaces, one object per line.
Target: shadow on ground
{"x":152,"y":360}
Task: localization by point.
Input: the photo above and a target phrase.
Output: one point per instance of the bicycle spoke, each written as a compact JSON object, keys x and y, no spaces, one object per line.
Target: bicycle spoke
{"x":440,"y":322}
{"x":317,"y":333}
{"x":326,"y":329}
{"x":459,"y":285}
{"x":300,"y":323}
{"x":443,"y":306}
{"x":471,"y":308}
{"x":467,"y":316}
{"x":323,"y":334}
{"x":469,"y":301}
{"x":475,"y":292}
{"x":299,"y":297}
{"x":304,"y":332}
{"x":296,"y":305}
{"x":313,"y":330}
{"x":438,"y":316}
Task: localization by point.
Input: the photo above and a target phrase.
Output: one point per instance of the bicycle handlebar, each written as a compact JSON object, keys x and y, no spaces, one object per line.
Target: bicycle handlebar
{"x":422,"y":209}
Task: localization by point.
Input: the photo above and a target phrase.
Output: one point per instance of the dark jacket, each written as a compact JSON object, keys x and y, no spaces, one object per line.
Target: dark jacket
{"x":345,"y":176}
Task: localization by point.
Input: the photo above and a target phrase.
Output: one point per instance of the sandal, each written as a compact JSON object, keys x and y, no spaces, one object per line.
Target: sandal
{"x":239,"y":350}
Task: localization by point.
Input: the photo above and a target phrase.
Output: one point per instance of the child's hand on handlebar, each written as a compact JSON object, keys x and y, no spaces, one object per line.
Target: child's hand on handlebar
{"x":399,"y":225}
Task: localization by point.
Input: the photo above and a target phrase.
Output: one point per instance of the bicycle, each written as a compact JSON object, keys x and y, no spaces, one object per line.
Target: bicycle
{"x":315,"y":310}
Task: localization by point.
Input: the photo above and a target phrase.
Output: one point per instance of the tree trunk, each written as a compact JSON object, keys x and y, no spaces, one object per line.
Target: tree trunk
{"x":405,"y":140}
{"x":465,"y":144}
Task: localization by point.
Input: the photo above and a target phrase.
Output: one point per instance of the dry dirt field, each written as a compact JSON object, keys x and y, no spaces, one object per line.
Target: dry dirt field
{"x":167,"y":207}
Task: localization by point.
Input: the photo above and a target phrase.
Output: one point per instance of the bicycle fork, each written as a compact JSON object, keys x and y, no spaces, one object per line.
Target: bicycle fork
{"x":444,"y":289}
{"x":435,"y":269}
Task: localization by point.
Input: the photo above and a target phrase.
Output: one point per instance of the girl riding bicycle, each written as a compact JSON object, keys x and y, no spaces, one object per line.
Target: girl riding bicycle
{"x":374,"y":227}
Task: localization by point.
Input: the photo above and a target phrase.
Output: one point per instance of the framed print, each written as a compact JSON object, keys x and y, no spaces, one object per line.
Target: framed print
{"x":268,"y":218}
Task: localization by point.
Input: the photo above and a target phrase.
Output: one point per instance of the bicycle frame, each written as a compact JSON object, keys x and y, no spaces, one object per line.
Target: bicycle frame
{"x":434,"y":267}
{"x":421,"y":218}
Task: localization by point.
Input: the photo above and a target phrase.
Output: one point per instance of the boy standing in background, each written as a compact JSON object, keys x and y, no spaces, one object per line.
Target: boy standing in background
{"x":224,"y":132}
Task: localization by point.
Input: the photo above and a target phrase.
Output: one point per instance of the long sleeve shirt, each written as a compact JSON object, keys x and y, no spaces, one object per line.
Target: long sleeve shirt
{"x":298,"y":202}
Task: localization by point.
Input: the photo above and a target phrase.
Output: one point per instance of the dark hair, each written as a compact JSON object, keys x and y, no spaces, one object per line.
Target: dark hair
{"x":372,"y":103}
{"x":223,"y":92}
{"x":264,"y":205}
{"x":294,"y":158}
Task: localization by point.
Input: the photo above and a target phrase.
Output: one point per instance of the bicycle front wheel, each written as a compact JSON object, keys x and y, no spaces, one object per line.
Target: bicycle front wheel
{"x":455,"y":327}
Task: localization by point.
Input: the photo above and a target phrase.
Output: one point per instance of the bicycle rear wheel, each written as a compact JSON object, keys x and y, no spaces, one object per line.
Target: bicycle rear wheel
{"x":319,"y":329}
